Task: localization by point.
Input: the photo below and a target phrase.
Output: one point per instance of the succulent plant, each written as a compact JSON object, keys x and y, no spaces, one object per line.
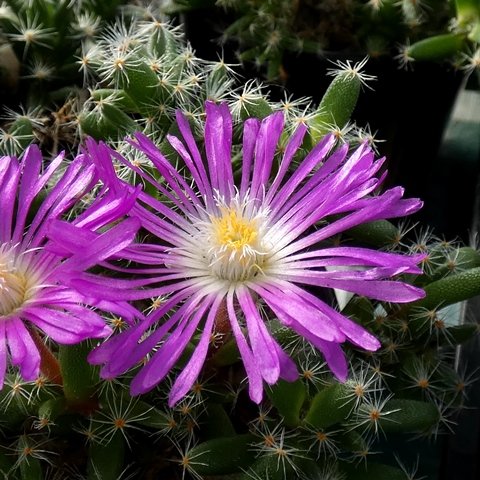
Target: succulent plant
{"x":265,"y":32}
{"x":40,"y":42}
{"x":134,"y":74}
{"x":457,"y":42}
{"x":313,"y":428}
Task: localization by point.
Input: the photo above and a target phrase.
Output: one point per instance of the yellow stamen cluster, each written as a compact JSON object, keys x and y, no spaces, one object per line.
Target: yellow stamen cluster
{"x":236,"y":252}
{"x":13,"y":288}
{"x":234,"y":232}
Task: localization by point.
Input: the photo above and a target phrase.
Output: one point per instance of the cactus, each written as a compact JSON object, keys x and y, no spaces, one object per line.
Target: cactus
{"x":265,"y":32}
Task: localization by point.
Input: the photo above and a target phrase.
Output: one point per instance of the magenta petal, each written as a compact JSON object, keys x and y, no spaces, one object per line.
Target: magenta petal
{"x":356,"y":333}
{"x":78,"y":320}
{"x":286,"y":301}
{"x":288,"y":368}
{"x":164,"y":359}
{"x":250,"y":131}
{"x":335,"y":359}
{"x":266,"y":143}
{"x":263,"y":345}
{"x":385,"y":290}
{"x":104,"y":247}
{"x":9,"y":178}
{"x":70,"y":330}
{"x":255,"y":384}
{"x":218,"y":144}
{"x":108,"y":349}
{"x":191,"y":370}
{"x":23,"y":350}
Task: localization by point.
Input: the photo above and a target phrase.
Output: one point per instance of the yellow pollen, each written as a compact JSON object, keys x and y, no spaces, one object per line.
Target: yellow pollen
{"x":13,"y":288}
{"x":236,"y":247}
{"x":235,"y":232}
{"x":119,"y":64}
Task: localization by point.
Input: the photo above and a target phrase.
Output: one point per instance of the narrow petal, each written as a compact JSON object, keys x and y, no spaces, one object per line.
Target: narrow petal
{"x":288,"y":305}
{"x":292,"y":147}
{"x":266,"y":144}
{"x":250,"y":132}
{"x":288,"y":368}
{"x":191,"y":370}
{"x":72,"y":330}
{"x":318,"y":153}
{"x":334,"y":357}
{"x":9,"y":178}
{"x":165,"y":358}
{"x":218,"y":144}
{"x":23,"y":350}
{"x":263,"y":345}
{"x":255,"y":384}
{"x":354,"y":332}
{"x":385,"y":290}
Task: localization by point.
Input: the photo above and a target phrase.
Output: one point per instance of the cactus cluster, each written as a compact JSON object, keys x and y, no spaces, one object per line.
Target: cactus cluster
{"x":138,"y":70}
{"x":40,"y":44}
{"x":313,"y":428}
{"x":458,"y":42}
{"x":264,"y":32}
{"x":114,"y":77}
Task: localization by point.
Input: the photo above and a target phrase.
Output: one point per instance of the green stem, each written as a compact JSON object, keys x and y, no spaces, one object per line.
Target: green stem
{"x":79,"y":377}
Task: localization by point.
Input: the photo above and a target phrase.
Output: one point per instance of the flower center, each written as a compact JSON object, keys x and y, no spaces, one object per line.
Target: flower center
{"x":14,"y":284}
{"x":236,"y":245}
{"x":12,"y":290}
{"x":234,"y":232}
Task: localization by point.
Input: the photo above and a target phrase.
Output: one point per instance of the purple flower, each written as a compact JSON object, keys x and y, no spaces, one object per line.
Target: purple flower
{"x":247,"y":246}
{"x":36,"y":277}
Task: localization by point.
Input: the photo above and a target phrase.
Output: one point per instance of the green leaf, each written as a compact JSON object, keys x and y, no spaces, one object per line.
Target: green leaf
{"x":97,"y":126}
{"x":361,"y":308}
{"x":52,"y":408}
{"x":451,"y":289}
{"x":408,"y":416}
{"x":329,"y":406}
{"x":116,"y":97}
{"x":288,"y":399}
{"x":119,"y":119}
{"x":216,"y":422}
{"x":379,"y":233}
{"x":106,"y":461}
{"x":227,"y":354}
{"x":141,"y":84}
{"x":79,"y":377}
{"x":270,"y":467}
{"x":457,"y":334}
{"x":464,"y":258}
{"x":436,"y":47}
{"x":30,"y":467}
{"x":337,"y":105}
{"x":258,"y":108}
{"x":468,"y":12}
